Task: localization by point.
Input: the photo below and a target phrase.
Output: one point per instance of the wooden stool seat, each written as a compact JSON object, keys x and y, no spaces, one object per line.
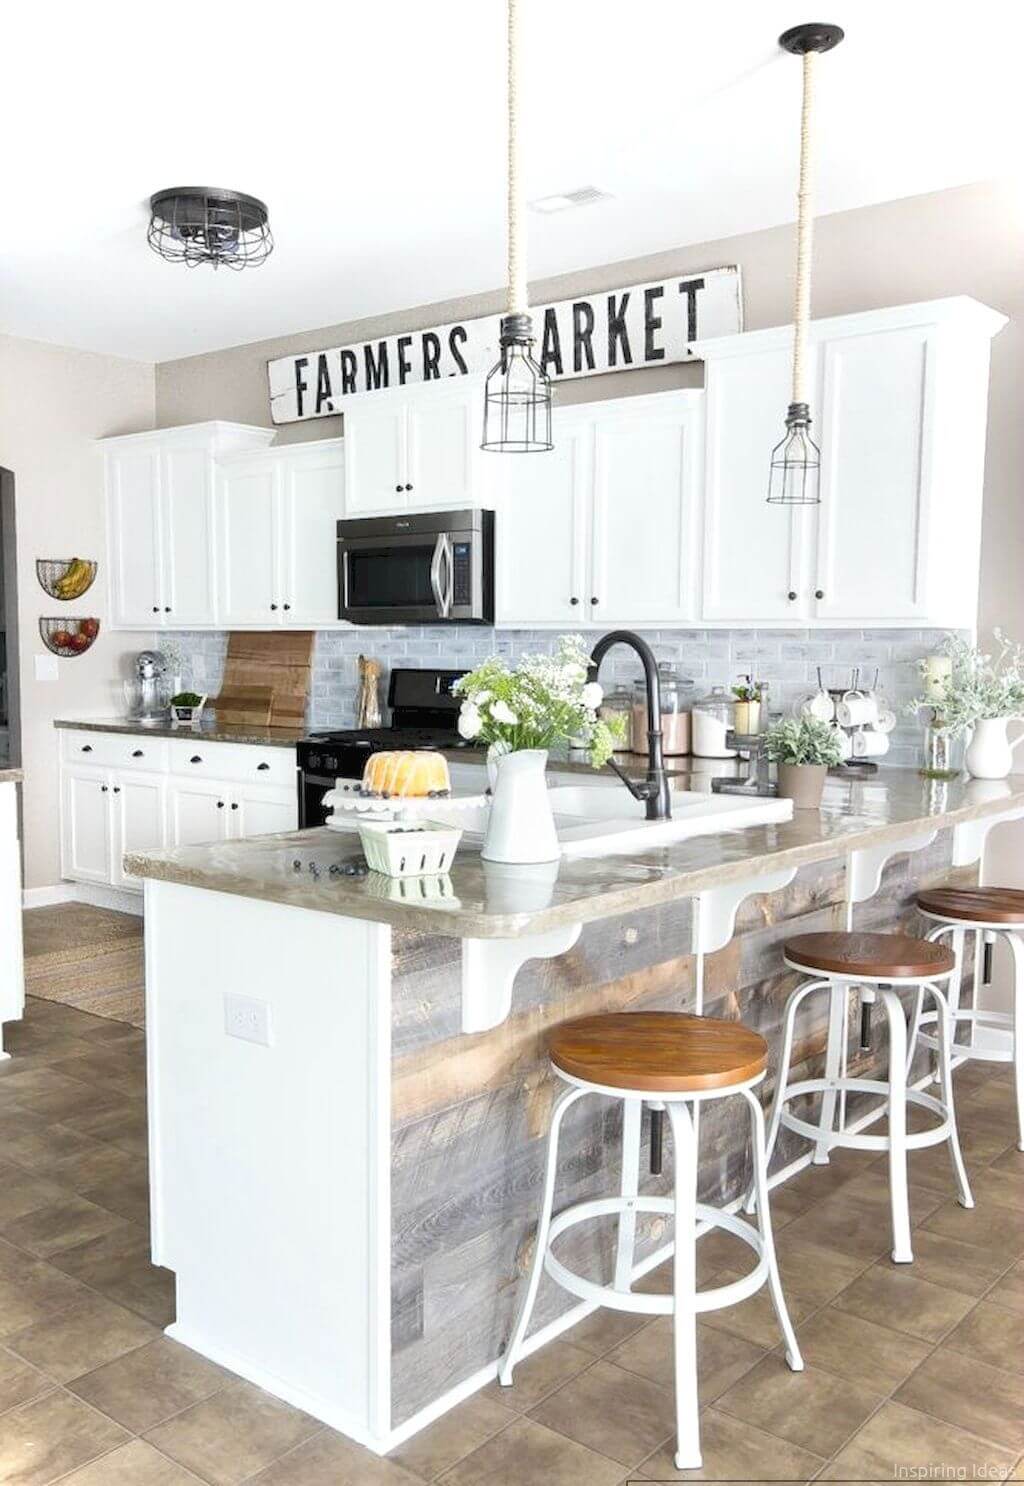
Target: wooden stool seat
{"x":982,"y":905}
{"x":658,"y":1052}
{"x":875,"y":956}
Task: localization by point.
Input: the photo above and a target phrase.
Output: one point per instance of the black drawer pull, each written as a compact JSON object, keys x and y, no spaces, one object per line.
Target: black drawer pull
{"x":791,"y":595}
{"x":220,"y":804}
{"x":117,"y":789}
{"x":87,"y":748}
{"x":234,"y":804}
{"x":287,"y":606}
{"x":103,"y":788}
{"x":196,"y":758}
{"x":137,"y":753}
{"x":819,"y":593}
{"x":261,"y":767}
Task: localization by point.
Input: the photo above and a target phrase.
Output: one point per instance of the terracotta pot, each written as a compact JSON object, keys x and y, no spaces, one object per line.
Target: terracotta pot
{"x":803,"y":784}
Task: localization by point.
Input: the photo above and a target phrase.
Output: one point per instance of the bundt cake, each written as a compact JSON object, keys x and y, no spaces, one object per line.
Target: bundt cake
{"x":406,"y":774}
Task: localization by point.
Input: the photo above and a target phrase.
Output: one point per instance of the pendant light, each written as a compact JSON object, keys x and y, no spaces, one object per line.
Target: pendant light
{"x":796,"y":459}
{"x":517,"y":397}
{"x":201,"y":224}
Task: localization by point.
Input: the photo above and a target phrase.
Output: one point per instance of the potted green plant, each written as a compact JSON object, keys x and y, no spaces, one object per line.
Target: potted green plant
{"x":980,"y":695}
{"x":804,"y":750}
{"x":187,"y":708}
{"x":749,"y":695}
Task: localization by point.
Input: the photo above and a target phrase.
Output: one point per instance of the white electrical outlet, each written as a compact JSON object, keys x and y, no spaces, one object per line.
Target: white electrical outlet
{"x":247,"y":1018}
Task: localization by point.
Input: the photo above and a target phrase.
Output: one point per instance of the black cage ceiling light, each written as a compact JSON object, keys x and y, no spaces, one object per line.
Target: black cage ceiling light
{"x":796,"y":460}
{"x":517,"y":397}
{"x":202,"y":224}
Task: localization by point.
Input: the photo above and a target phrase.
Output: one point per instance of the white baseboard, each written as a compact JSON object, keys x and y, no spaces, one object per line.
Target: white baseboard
{"x":96,"y":893}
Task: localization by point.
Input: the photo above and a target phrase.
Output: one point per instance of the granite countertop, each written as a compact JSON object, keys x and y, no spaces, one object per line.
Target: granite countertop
{"x":480,"y":899}
{"x":10,"y":776}
{"x":209,"y":730}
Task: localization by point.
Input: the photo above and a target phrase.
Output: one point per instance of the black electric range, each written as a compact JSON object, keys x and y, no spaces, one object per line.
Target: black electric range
{"x":423,"y":715}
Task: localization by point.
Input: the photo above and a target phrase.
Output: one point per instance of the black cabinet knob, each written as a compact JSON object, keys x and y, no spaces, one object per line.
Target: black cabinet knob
{"x":167,"y":608}
{"x":593,"y":601}
{"x":574,"y":601}
{"x":819,"y":593}
{"x":234,"y":804}
{"x":398,"y":489}
{"x":408,"y":487}
{"x":137,"y":753}
{"x":261,"y":767}
{"x":791,"y":595}
{"x":117,"y":789}
{"x":87,"y":748}
{"x":156,"y":608}
{"x":103,"y":788}
{"x":286,"y":606}
{"x":273,"y":606}
{"x":220,"y":804}
{"x":196,"y":758}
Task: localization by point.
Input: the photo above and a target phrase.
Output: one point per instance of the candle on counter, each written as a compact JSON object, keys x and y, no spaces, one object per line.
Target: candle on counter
{"x":938,"y":671}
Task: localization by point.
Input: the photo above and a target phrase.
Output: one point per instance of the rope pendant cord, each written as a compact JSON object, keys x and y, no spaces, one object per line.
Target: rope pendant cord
{"x":517,"y":297}
{"x":804,"y":230}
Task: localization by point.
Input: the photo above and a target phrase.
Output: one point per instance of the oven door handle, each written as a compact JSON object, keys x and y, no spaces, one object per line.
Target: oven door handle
{"x":442,"y":558}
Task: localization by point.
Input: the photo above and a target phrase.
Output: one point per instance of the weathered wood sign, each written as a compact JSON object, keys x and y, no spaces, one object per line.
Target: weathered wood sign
{"x":642,"y":325}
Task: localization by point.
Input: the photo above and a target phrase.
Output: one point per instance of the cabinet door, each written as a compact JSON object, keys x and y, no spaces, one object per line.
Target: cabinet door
{"x":442,"y":439}
{"x":375,"y":477}
{"x":198,"y":811}
{"x":313,"y":500}
{"x":873,"y":509}
{"x":751,"y":555}
{"x":645,"y":498}
{"x":133,"y":530}
{"x":188,"y":545}
{"x":139,"y":820}
{"x":540,"y":531}
{"x":85,"y":825}
{"x":248,"y":513}
{"x":262,"y":811}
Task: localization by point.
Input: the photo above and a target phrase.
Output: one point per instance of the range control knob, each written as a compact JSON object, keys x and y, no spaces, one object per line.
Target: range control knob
{"x":314,"y":761}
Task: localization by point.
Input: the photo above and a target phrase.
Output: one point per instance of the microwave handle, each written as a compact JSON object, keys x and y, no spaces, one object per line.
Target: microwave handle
{"x":442,"y":557}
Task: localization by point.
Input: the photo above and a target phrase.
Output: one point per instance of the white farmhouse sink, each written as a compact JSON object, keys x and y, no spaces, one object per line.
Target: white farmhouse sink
{"x":593,"y":820}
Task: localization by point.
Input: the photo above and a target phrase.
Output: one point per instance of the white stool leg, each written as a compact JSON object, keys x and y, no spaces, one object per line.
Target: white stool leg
{"x":979,"y":960}
{"x":512,"y":1351}
{"x":684,"y":1330}
{"x":945,"y":1033}
{"x":898,"y":1194}
{"x":632,"y":1112}
{"x":782,"y":1078}
{"x":915,"y":1027}
{"x":833,"y":1069}
{"x":1017,"y":950}
{"x":764,"y":1223}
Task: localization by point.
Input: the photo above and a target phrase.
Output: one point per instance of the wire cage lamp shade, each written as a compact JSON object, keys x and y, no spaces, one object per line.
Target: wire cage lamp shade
{"x":517,"y":397}
{"x":796,"y":462}
{"x":201,"y":224}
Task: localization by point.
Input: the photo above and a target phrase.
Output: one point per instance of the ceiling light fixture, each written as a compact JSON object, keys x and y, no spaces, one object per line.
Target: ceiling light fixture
{"x":796,"y":460}
{"x":517,"y":397}
{"x":201,"y":224}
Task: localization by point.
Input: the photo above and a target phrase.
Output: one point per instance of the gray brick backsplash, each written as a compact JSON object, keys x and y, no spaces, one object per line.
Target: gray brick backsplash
{"x":787,"y":659}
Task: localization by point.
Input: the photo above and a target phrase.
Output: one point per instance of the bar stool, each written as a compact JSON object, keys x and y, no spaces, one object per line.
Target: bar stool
{"x":990,"y":912}
{"x":673,"y":1062}
{"x":889,"y":964}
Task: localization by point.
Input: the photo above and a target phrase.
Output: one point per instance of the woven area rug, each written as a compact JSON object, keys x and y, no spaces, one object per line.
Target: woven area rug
{"x":86,"y":957}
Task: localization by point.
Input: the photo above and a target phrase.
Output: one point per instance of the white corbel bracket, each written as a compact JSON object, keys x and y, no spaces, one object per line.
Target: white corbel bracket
{"x":864,"y":867}
{"x":715,"y":917}
{"x":970,"y":836}
{"x":489,"y":966}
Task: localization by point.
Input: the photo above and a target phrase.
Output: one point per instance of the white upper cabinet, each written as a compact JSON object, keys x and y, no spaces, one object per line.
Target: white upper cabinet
{"x":899,"y":399}
{"x":277,"y":516}
{"x":603,"y":529}
{"x":160,"y":527}
{"x":414,"y":447}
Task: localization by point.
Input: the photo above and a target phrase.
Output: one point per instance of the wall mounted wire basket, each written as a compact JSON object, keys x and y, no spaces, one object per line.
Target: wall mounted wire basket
{"x":65,"y":578}
{"x":68,"y":637}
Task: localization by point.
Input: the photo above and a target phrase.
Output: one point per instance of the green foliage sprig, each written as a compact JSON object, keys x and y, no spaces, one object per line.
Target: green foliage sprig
{"x":803,"y":740}
{"x":981,"y":685}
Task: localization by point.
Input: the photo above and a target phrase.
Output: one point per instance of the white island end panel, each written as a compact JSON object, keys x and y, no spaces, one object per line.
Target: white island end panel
{"x":270,"y":1163}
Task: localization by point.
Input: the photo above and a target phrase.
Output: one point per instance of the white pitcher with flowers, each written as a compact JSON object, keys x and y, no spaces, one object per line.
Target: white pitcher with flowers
{"x":981,"y":695}
{"x":520,"y":712}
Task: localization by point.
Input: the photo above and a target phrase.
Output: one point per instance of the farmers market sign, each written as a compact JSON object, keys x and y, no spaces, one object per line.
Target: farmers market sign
{"x":617,"y":330}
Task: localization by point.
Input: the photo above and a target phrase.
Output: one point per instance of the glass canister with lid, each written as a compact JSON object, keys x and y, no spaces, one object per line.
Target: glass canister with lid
{"x":676,"y":695}
{"x":713,"y":716}
{"x":616,"y":710}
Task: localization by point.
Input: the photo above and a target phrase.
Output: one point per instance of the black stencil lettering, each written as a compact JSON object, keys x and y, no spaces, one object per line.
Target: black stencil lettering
{"x":301,"y":362}
{"x":431,"y":356}
{"x":404,"y":342}
{"x":323,"y":381}
{"x":551,"y":345}
{"x":458,"y":335}
{"x":582,"y":335}
{"x":376,"y":370}
{"x":348,"y":372}
{"x":617,"y":333}
{"x":689,"y":287}
{"x":652,"y":322}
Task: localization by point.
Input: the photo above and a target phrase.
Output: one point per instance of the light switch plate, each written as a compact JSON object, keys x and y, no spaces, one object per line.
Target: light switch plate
{"x":248,"y":1018}
{"x":46,"y":667}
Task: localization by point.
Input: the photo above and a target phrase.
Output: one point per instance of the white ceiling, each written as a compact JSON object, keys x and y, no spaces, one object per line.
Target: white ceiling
{"x":374,"y":129}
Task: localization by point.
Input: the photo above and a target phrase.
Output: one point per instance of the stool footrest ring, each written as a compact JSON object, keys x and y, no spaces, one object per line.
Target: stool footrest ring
{"x":644,"y":1304}
{"x":916,"y":1139}
{"x":993,"y":1021}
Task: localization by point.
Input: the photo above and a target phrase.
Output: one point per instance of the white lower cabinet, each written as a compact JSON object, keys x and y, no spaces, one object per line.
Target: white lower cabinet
{"x":142,"y":794}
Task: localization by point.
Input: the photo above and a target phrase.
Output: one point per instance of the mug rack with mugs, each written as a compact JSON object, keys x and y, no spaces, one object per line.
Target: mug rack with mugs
{"x":861,"y":717}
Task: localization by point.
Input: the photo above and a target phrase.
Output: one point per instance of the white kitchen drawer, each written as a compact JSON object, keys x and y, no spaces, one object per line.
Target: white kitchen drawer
{"x":114,"y":750}
{"x":244,"y":763}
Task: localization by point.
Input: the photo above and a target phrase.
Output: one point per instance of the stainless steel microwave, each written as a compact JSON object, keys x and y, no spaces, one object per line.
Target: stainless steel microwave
{"x":422,"y":568}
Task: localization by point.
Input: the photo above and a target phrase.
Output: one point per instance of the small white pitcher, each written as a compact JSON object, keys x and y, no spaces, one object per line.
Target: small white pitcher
{"x":521,"y":827}
{"x":990,"y":753}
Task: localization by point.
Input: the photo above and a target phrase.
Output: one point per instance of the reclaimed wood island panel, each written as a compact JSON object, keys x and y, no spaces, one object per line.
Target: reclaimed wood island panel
{"x":350,"y":1222}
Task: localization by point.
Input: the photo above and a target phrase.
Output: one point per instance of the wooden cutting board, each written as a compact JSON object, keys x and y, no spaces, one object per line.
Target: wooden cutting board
{"x":280,"y":661}
{"x":245,"y":705}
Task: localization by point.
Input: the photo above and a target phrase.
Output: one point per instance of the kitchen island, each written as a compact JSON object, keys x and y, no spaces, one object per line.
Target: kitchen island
{"x":348,"y":1088}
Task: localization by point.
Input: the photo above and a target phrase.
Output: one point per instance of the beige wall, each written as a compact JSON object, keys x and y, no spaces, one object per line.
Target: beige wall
{"x":53,"y":404}
{"x":966,"y":241}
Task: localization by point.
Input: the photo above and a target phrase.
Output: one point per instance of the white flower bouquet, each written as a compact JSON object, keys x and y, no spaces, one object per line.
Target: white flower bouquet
{"x":981,"y":687}
{"x":543,"y":700}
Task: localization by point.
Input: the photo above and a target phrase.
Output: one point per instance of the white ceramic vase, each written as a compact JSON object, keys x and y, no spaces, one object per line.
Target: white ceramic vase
{"x":521,"y":827}
{"x":990,"y":753}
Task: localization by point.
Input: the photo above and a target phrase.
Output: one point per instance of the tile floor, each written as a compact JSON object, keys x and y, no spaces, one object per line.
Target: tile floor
{"x":905,"y":1367}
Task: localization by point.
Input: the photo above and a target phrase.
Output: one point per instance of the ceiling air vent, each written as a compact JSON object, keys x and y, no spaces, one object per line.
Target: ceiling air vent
{"x":583,"y":196}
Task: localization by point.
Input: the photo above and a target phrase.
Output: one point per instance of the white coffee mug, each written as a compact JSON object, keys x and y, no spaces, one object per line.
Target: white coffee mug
{"x":818,"y":705}
{"x":857,"y":709}
{"x":845,"y":741}
{"x":886,"y":720}
{"x":869,"y":744}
